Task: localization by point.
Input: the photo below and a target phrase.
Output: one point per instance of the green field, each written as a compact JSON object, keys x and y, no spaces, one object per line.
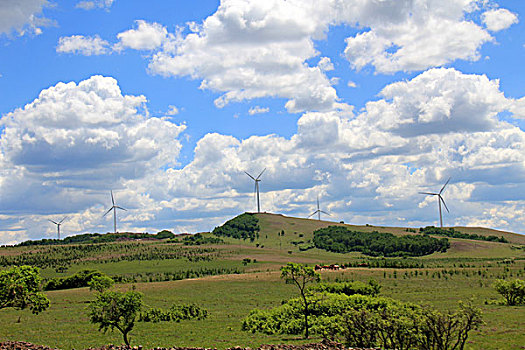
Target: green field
{"x":466,"y":271}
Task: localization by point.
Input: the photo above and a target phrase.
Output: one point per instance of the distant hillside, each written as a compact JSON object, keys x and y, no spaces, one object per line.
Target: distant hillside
{"x":271,"y":223}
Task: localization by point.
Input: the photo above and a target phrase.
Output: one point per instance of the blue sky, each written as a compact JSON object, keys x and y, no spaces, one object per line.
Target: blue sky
{"x":362,"y":103}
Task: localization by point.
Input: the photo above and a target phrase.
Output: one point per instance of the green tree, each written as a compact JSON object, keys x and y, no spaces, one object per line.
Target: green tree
{"x":20,"y":289}
{"x":114,"y":309}
{"x":100,"y":283}
{"x":512,"y":291}
{"x":301,"y":276}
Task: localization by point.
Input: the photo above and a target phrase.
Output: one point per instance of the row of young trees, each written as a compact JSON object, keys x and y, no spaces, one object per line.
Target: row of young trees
{"x":452,"y":233}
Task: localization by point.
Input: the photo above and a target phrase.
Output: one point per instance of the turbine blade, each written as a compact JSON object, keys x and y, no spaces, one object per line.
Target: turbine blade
{"x":261,"y":173}
{"x":110,"y":209}
{"x":249,"y":175}
{"x":429,"y":193}
{"x":446,"y":183}
{"x":61,"y":221}
{"x":442,"y":200}
{"x":112,"y":199}
{"x":116,"y":206}
{"x":56,"y":223}
{"x":315,"y":212}
{"x":324,"y":212}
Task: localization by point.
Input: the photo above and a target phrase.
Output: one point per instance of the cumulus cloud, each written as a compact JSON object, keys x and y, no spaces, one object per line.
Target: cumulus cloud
{"x":78,"y":44}
{"x":258,"y":110}
{"x":367,"y":168}
{"x":370,"y":168}
{"x":499,"y":19}
{"x":172,"y":110}
{"x":22,"y":15}
{"x":147,"y":36}
{"x":253,"y":49}
{"x":90,"y":5}
{"x":76,"y":140}
{"x":414,"y":35}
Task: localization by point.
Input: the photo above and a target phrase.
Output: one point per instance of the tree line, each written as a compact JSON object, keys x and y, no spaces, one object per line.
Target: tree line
{"x":431,"y":230}
{"x":341,"y":240}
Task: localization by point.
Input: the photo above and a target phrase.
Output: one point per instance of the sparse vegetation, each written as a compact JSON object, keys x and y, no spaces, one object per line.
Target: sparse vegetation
{"x":200,"y":239}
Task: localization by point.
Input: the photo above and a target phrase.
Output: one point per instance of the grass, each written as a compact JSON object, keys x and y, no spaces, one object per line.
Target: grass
{"x":467,"y":270}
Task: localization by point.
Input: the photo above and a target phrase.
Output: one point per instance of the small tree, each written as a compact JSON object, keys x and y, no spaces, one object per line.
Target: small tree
{"x":117,"y":310}
{"x":301,"y":276}
{"x":512,"y":291}
{"x":20,"y":288}
{"x":100,"y":283}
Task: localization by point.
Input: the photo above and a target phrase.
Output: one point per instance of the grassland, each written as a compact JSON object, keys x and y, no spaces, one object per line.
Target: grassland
{"x":466,"y":271}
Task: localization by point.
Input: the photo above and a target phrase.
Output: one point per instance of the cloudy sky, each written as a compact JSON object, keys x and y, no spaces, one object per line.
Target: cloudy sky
{"x":363,"y":103}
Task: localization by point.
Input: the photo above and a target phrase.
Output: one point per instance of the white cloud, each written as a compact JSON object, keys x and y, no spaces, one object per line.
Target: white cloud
{"x":325,"y":64}
{"x":172,"y":110}
{"x":78,"y":44}
{"x":410,"y":36}
{"x":90,"y":5}
{"x":147,"y":36}
{"x":499,"y":19}
{"x":70,"y":146}
{"x":258,"y":110}
{"x":21,"y":15}
{"x":351,"y":84}
{"x":74,"y":142}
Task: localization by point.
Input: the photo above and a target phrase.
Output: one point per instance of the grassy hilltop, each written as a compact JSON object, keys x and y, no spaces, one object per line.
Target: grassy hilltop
{"x":231,"y":276}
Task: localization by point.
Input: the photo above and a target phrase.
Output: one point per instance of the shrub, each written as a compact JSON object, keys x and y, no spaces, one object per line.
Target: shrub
{"x":77,"y":280}
{"x":512,"y":291}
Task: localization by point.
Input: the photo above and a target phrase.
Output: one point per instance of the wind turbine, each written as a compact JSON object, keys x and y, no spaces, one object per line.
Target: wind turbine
{"x":257,"y":180}
{"x":318,"y":211}
{"x":58,"y":225}
{"x":114,"y":208}
{"x":440,"y":199}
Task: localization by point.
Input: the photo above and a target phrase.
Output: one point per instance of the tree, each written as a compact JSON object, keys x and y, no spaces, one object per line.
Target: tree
{"x":100,"y":283}
{"x":114,"y":309}
{"x":512,"y":291}
{"x":20,"y":288}
{"x":301,"y":276}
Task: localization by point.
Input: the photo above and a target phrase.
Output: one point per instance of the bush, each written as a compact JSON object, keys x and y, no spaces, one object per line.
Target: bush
{"x":512,"y":291}
{"x":176,"y":313}
{"x":369,"y":322}
{"x":77,"y":280}
{"x":100,"y":283}
{"x":349,"y":288}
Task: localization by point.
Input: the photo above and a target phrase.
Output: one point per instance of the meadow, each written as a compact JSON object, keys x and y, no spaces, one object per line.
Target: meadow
{"x":242,"y":275}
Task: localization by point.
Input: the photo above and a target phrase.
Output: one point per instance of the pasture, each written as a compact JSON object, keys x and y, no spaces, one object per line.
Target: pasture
{"x":229,"y":287}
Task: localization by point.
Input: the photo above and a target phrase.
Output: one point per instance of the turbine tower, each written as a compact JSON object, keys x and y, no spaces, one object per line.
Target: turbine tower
{"x":58,"y":225}
{"x":257,"y":180}
{"x":318,"y":211}
{"x":114,"y":208}
{"x":440,"y":199}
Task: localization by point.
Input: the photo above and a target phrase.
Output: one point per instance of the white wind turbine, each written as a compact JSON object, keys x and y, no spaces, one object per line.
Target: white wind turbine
{"x":440,"y":199}
{"x":114,"y":208}
{"x":257,"y":180}
{"x":318,"y":211}
{"x":58,"y":225}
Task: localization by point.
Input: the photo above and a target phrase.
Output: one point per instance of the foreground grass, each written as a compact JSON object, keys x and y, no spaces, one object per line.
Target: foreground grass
{"x":229,"y":298}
